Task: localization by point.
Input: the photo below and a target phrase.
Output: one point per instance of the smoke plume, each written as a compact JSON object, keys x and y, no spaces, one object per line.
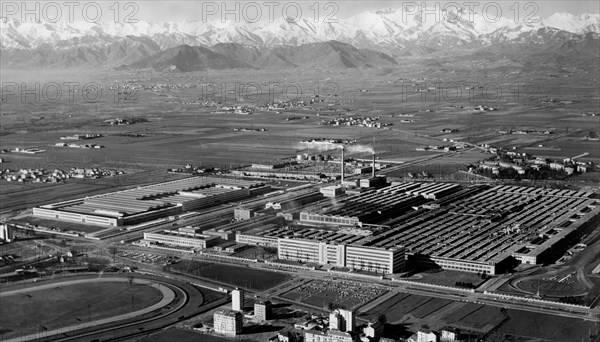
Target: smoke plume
{"x":326,"y":146}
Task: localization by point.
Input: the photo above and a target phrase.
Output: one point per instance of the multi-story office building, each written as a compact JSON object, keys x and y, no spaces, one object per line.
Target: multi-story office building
{"x":342,"y":320}
{"x":228,"y":322}
{"x":237,"y":299}
{"x":375,"y":259}
{"x":256,"y":240}
{"x":182,"y":238}
{"x":262,"y":311}
{"x":329,"y":336}
{"x":371,"y":259}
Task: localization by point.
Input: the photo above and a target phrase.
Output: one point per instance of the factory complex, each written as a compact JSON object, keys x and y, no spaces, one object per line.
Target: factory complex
{"x":145,"y":203}
{"x":478,"y":228}
{"x":367,"y":225}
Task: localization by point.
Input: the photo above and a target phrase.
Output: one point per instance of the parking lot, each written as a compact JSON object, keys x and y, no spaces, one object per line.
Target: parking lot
{"x":149,"y":258}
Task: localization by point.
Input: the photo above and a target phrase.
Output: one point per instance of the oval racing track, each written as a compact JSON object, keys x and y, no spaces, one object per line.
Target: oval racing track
{"x":166,"y":287}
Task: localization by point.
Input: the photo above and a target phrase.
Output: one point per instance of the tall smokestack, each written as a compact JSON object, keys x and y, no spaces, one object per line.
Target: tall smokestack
{"x":342,"y":165}
{"x":373,"y":167}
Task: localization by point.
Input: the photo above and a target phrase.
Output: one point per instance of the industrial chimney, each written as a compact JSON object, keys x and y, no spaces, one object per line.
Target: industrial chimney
{"x":342,"y":166}
{"x":373,"y":167}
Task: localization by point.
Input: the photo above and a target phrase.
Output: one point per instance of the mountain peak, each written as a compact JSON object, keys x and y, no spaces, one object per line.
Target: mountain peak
{"x":383,"y":30}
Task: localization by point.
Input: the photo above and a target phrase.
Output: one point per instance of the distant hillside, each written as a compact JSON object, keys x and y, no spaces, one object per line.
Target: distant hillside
{"x":187,"y":58}
{"x":331,"y":54}
{"x":230,"y":55}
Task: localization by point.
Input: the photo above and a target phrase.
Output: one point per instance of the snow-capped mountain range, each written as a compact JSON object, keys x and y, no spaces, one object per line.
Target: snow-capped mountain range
{"x":83,"y":43}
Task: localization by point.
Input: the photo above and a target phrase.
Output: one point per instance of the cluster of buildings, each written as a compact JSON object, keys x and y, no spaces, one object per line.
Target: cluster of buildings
{"x":191,"y":169}
{"x":448,"y":130}
{"x":117,"y":122}
{"x":525,"y":131}
{"x":484,"y":108}
{"x":439,"y":148}
{"x":522,"y":163}
{"x":246,"y":129}
{"x":340,"y":326}
{"x":71,"y":145}
{"x":46,"y":176}
{"x":231,"y":322}
{"x":25,"y":150}
{"x":372,"y":122}
{"x":81,"y":136}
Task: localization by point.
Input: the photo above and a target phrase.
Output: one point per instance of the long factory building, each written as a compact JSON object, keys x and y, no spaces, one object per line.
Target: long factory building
{"x":478,"y":229}
{"x":180,"y":238}
{"x":375,"y":206}
{"x":149,"y":202}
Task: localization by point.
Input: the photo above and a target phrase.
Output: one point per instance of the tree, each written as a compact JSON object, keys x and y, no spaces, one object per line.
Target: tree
{"x":382,"y":318}
{"x":113,"y":250}
{"x":331,"y":306}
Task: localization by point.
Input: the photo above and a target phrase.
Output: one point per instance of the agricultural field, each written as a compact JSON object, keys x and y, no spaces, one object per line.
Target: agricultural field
{"x":477,"y":317}
{"x":547,"y":327}
{"x":345,"y":294}
{"x":32,"y":311}
{"x":244,"y":277}
{"x":416,"y":309}
{"x":172,"y":129}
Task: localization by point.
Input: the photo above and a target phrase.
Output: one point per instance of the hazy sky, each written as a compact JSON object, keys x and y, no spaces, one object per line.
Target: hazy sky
{"x":191,"y":10}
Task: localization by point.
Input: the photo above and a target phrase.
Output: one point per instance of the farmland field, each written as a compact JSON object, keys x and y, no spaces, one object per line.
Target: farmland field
{"x":483,"y":318}
{"x":547,"y":327}
{"x":437,"y":312}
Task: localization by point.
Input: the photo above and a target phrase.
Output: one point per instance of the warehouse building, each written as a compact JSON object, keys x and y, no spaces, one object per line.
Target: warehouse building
{"x":256,"y":240}
{"x":332,"y":191}
{"x":146,"y":203}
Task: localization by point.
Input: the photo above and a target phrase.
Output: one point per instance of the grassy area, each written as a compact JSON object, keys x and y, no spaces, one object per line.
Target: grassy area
{"x":244,"y":277}
{"x":484,"y":318}
{"x":34,"y":311}
{"x":547,"y":327}
{"x":448,"y":278}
